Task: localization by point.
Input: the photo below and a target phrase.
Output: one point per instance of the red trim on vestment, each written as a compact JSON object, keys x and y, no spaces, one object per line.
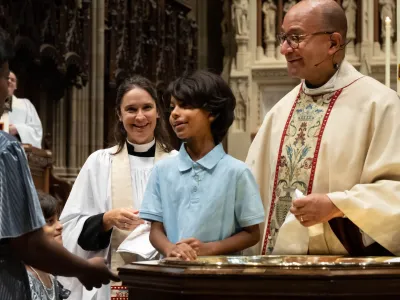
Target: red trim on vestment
{"x":314,"y":162}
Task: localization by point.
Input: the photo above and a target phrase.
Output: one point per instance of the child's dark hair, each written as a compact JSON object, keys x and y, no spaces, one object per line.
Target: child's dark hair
{"x":50,"y":205}
{"x":160,"y":132}
{"x":207,"y":91}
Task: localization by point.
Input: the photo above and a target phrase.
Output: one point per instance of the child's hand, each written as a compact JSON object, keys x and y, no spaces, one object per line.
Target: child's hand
{"x":196,"y":245}
{"x":182,"y":251}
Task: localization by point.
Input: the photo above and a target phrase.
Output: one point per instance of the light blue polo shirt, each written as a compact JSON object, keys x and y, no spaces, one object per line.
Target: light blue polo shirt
{"x":211,"y":199}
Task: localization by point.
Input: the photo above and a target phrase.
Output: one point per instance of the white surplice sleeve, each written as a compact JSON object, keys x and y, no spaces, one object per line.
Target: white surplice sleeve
{"x":373,"y":205}
{"x":89,"y":196}
{"x":31,"y":132}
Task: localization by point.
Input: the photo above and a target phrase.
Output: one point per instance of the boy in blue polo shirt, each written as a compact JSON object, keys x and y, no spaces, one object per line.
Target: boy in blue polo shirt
{"x":202,"y":201}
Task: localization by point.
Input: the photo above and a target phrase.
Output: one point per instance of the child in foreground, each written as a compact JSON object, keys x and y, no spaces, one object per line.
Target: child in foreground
{"x":43,"y":285}
{"x":202,"y":201}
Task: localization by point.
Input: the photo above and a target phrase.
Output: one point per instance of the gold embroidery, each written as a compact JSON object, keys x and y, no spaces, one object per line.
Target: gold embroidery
{"x":297,"y":156}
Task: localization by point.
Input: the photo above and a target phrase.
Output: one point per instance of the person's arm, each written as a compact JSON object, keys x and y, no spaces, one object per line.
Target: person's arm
{"x":39,"y":251}
{"x":94,"y":236}
{"x":97,"y":230}
{"x":160,"y":241}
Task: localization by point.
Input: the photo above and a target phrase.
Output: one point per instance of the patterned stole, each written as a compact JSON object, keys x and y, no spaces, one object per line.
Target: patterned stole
{"x":297,"y":158}
{"x":121,"y":195}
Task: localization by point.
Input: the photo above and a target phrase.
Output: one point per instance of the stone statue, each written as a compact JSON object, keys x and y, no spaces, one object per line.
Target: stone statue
{"x":239,"y":89}
{"x":387,"y":10}
{"x":288,"y":5}
{"x":350,"y":8}
{"x":240,"y":9}
{"x":269,"y":10}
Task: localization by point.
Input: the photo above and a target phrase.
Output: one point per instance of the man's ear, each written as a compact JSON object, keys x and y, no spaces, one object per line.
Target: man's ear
{"x":337,"y":42}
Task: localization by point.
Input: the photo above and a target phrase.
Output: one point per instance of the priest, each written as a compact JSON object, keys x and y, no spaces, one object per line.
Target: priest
{"x":24,"y":122}
{"x":335,"y":138}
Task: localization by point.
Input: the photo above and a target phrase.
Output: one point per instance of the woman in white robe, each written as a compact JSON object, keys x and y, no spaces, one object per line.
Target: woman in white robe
{"x":102,"y":208}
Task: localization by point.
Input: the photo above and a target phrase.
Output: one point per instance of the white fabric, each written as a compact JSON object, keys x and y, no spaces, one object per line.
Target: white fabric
{"x":328,"y":87}
{"x":27,"y":122}
{"x":293,"y":238}
{"x":140,"y":171}
{"x":91,"y":195}
{"x":138,"y":242}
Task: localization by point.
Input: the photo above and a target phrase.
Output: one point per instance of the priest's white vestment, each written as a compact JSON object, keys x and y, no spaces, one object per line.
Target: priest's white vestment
{"x":25,"y":118}
{"x":343,"y":140}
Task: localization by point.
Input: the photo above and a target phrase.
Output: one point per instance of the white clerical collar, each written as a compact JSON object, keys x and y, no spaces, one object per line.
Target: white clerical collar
{"x":142,"y":147}
{"x":328,"y":87}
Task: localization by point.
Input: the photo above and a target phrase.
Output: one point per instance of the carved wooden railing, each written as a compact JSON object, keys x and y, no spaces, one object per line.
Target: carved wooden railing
{"x":41,"y":166}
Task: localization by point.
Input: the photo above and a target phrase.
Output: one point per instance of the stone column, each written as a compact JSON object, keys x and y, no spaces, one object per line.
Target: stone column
{"x":377,"y":46}
{"x":59,"y":135}
{"x":86,"y":115}
{"x":241,"y":55}
{"x":73,"y":130}
{"x":100,"y":76}
{"x":279,"y":22}
{"x":260,"y":50}
{"x":92,"y":77}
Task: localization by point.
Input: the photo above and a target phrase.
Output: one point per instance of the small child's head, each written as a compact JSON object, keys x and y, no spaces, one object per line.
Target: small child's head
{"x":201,"y":103}
{"x":51,"y":212}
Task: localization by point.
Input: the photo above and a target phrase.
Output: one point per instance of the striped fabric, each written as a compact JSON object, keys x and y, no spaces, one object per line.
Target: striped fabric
{"x":20,"y":213}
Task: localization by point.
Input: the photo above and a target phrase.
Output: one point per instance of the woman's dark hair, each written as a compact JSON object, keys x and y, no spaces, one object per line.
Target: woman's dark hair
{"x":207,"y":91}
{"x":6,"y":47}
{"x":50,"y":205}
{"x":160,"y":132}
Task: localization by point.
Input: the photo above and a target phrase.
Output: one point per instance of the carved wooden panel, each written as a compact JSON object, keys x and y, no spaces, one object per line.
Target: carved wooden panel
{"x":153,"y":38}
{"x":47,"y":30}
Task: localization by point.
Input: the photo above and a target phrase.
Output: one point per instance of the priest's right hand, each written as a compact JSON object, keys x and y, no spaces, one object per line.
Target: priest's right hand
{"x":97,"y":274}
{"x":122,"y":218}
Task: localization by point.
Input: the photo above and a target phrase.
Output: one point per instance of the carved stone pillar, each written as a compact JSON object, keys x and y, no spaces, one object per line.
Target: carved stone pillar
{"x":260,"y":50}
{"x":92,"y":77}
{"x":239,"y":136}
{"x":73,"y":133}
{"x":279,"y":56}
{"x":352,"y":11}
{"x":59,"y":135}
{"x":99,"y":101}
{"x":377,"y":45}
{"x":241,"y":55}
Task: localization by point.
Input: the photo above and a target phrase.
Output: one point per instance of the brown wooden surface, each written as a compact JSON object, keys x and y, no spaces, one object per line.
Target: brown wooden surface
{"x":160,"y":282}
{"x":40,"y":162}
{"x":41,"y":166}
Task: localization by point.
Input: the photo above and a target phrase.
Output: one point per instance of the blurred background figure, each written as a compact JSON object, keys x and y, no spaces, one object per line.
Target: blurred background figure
{"x":24,"y":121}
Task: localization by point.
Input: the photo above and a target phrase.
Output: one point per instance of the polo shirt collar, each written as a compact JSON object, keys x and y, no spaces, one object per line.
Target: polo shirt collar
{"x":209,"y":161}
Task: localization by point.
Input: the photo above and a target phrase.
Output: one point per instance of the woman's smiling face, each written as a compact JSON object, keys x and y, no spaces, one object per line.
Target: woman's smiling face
{"x":138,"y":113}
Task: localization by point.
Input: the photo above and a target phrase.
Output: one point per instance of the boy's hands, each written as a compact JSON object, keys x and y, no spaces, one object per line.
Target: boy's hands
{"x":202,"y":249}
{"x":188,"y":249}
{"x":182,"y":251}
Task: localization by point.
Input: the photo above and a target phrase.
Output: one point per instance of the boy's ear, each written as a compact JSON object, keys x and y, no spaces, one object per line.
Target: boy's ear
{"x":212,"y":117}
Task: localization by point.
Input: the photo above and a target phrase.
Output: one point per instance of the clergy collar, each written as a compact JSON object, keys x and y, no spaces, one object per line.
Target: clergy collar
{"x":345,"y":75}
{"x":142,"y":150}
{"x":208,"y":161}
